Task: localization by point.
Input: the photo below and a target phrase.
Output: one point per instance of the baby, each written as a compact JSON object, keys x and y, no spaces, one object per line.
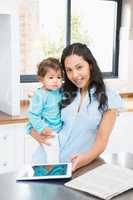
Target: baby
{"x":44,"y":110}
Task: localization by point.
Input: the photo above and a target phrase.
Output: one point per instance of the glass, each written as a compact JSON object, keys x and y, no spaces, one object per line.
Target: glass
{"x":42,"y":32}
{"x":93,"y":23}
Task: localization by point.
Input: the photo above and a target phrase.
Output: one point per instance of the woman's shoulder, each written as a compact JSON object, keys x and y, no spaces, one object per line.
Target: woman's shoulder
{"x":111,"y":92}
{"x":114,"y":98}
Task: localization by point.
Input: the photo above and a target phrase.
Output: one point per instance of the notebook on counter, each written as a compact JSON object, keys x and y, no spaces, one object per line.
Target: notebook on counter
{"x":105,"y":181}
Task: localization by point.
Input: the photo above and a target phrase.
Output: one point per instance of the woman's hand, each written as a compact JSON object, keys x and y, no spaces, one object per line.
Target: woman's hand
{"x":79,"y":161}
{"x":43,"y":137}
{"x":47,"y":131}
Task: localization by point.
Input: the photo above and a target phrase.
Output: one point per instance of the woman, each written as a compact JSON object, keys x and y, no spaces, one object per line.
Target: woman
{"x":89,"y":109}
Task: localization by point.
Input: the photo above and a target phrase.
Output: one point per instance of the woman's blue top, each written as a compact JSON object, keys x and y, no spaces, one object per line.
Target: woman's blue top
{"x":79,"y":129}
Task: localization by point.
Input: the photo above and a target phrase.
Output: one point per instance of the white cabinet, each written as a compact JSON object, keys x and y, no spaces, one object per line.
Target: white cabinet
{"x":11,"y":147}
{"x":25,"y":145}
{"x":19,"y":132}
{"x":7,"y":148}
{"x":121,"y":139}
{"x":16,"y":147}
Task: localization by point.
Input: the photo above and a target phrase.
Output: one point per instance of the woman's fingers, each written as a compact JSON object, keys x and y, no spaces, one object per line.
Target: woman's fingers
{"x":45,"y":139}
{"x":78,"y":161}
{"x":47,"y":131}
{"x":75,"y":161}
{"x":46,"y":142}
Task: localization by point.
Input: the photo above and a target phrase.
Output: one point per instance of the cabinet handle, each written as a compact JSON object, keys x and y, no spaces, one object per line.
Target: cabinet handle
{"x":5,"y":164}
{"x":5,"y":137}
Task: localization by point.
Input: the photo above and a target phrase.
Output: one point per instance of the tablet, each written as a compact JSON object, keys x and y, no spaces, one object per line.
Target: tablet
{"x":45,"y":171}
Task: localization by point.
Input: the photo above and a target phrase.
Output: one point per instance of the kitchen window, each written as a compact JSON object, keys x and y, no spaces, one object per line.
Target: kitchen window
{"x":46,"y":27}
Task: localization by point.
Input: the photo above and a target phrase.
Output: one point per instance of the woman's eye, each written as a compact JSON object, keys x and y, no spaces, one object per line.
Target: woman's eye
{"x":79,"y":67}
{"x":68,"y":70}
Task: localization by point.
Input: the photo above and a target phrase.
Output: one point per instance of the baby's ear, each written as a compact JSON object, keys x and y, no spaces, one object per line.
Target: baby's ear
{"x":39,"y":78}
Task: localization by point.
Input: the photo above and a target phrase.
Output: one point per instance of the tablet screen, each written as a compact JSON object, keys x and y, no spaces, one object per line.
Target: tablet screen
{"x":46,"y":171}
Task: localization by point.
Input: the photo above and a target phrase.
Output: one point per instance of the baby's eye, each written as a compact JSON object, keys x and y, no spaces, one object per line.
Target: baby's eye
{"x":50,"y":77}
{"x":59,"y":77}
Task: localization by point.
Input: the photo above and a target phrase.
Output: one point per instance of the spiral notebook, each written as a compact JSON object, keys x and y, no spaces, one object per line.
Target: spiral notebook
{"x":105,"y":181}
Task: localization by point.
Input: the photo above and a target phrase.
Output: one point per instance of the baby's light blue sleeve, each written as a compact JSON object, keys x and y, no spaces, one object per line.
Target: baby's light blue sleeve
{"x":35,"y":113}
{"x":114,"y":100}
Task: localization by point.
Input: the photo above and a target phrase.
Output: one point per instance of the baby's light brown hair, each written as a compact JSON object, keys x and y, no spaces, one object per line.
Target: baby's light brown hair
{"x":46,"y":64}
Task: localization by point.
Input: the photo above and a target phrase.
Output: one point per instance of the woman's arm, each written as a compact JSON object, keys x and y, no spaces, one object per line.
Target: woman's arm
{"x":102,"y":136}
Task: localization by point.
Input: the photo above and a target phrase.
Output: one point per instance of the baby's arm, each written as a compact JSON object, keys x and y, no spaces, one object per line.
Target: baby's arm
{"x":35,"y":112}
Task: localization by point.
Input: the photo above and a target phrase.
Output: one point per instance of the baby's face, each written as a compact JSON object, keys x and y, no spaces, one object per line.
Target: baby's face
{"x":52,"y":80}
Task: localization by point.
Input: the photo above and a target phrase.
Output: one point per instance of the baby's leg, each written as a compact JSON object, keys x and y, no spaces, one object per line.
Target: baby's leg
{"x":39,"y":156}
{"x":52,"y":151}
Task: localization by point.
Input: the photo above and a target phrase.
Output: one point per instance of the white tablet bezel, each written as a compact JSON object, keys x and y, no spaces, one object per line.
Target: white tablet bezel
{"x":25,"y":169}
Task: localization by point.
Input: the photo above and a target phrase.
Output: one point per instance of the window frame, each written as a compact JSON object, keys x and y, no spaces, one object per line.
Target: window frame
{"x":115,"y":59}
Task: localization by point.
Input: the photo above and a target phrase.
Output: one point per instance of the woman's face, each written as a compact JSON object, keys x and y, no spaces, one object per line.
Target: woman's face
{"x":77,"y":70}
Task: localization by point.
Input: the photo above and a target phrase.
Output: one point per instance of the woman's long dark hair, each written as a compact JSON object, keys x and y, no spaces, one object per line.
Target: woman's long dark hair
{"x":96,"y":79}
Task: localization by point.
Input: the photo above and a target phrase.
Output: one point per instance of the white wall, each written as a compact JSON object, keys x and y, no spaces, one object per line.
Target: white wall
{"x":125,"y":81}
{"x":9,"y":53}
{"x":5,"y":62}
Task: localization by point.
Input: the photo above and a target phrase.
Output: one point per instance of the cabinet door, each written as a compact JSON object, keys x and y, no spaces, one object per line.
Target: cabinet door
{"x":121,"y":137}
{"x":25,"y":145}
{"x":7,"y":148}
{"x":20,"y":132}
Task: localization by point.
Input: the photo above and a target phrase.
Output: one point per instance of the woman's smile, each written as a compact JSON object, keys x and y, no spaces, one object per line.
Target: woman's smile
{"x":79,"y":82}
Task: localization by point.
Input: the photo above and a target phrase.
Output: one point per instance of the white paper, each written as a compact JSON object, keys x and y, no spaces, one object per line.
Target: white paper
{"x":105,"y":181}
